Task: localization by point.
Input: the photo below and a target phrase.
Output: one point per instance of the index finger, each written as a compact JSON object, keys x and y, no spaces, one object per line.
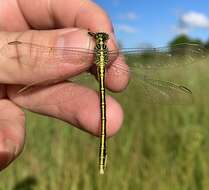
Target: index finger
{"x":51,"y":14}
{"x":46,"y":14}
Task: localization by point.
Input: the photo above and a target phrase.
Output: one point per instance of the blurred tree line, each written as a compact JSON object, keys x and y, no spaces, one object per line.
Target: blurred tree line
{"x":184,"y":39}
{"x":180,"y":48}
{"x":196,"y":47}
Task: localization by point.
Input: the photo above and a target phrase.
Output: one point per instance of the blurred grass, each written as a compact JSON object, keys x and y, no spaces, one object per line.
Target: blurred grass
{"x":159,"y":147}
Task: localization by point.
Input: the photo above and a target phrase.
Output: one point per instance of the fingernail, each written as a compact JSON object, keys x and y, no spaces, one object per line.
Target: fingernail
{"x":113,"y":39}
{"x":75,"y":38}
{"x":7,"y":154}
{"x":112,"y":28}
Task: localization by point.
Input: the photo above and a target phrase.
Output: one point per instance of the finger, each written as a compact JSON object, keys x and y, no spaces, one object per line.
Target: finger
{"x":12,"y":132}
{"x":11,"y":17}
{"x":26,"y":63}
{"x":52,"y":14}
{"x":70,"y":102}
{"x":83,"y":14}
{"x":58,"y":14}
{"x":117,"y":74}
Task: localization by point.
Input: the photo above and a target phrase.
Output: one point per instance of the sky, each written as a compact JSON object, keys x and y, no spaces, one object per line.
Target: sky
{"x":142,"y":23}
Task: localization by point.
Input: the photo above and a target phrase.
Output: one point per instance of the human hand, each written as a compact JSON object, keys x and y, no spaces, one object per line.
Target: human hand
{"x":62,"y":23}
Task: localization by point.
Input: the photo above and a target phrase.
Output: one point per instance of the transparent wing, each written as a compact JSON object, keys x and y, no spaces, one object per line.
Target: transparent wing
{"x":163,"y":57}
{"x":153,"y":90}
{"x":156,"y":91}
{"x":143,"y":58}
{"x":34,"y":54}
{"x":163,"y":92}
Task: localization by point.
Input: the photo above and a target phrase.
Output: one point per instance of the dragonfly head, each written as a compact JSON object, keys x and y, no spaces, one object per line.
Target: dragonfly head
{"x":99,"y":36}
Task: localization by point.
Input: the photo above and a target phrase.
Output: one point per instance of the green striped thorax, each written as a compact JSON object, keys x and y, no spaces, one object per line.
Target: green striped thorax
{"x":101,"y":49}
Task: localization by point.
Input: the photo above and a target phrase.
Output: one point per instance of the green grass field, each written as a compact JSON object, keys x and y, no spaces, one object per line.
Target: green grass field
{"x":160,"y":147}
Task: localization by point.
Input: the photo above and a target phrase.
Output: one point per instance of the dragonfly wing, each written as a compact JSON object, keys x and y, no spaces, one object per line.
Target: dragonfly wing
{"x":30,"y":87}
{"x":151,"y":90}
{"x":82,"y":79}
{"x":163,"y":57}
{"x":164,"y":92}
{"x":58,"y":94}
{"x":141,"y":61}
{"x":158,"y":91}
{"x":34,"y":54}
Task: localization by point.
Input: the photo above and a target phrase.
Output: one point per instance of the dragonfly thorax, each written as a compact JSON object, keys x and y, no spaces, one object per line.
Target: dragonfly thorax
{"x":100,"y":49}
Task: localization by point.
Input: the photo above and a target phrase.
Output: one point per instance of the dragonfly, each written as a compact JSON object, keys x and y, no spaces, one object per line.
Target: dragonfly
{"x":137,"y":59}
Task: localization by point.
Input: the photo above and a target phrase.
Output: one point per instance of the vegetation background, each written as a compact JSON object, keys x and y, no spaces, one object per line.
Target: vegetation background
{"x":160,"y":146}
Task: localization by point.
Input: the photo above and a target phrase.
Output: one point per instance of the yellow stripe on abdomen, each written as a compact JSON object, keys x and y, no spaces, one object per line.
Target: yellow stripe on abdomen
{"x":102,"y":156}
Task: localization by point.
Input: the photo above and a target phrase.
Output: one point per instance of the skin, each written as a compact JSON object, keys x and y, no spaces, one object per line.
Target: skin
{"x":62,"y":23}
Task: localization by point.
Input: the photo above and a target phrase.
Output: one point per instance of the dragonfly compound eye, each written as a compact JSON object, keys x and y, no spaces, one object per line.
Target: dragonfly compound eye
{"x":105,"y":36}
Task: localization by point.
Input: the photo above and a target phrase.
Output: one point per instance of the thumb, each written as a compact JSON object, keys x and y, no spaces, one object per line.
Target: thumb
{"x":38,"y":56}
